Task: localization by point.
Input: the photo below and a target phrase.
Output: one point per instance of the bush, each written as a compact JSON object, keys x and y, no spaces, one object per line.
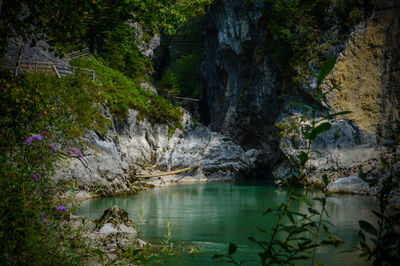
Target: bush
{"x":42,"y":118}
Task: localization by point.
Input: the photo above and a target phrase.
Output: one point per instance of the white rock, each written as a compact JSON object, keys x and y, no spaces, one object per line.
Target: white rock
{"x":350,"y":184}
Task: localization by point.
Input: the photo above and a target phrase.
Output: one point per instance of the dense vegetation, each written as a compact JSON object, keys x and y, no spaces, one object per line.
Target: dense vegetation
{"x":43,"y":117}
{"x":302,"y":33}
{"x":179,"y":64}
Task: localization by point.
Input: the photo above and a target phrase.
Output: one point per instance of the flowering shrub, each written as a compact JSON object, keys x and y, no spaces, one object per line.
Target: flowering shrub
{"x":42,"y":116}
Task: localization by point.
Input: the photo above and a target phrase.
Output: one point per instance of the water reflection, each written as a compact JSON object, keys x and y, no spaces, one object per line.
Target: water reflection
{"x":216,"y":214}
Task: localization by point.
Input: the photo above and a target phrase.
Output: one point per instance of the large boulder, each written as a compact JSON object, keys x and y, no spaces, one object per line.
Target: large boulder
{"x":113,"y":233}
{"x":350,"y":184}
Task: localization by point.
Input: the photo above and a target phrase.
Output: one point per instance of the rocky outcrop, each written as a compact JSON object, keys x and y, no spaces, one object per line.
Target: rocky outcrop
{"x":136,"y":147}
{"x":243,"y":91}
{"x":367,"y":76}
{"x":113,"y":233}
{"x":350,"y":184}
{"x":241,"y":84}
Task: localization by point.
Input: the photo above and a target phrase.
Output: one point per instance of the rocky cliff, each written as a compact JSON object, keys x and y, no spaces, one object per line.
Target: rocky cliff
{"x":135,"y":147}
{"x":243,"y":90}
{"x":241,"y":86}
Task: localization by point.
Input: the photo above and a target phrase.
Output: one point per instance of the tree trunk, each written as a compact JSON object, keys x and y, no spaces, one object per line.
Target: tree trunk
{"x":20,"y":52}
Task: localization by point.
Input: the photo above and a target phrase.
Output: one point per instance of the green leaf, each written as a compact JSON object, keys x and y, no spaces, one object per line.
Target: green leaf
{"x":367,"y":227}
{"x":329,"y":64}
{"x":318,"y":130}
{"x":218,"y":256}
{"x":379,"y":215}
{"x":267,"y":211}
{"x":314,"y":211}
{"x":232,"y":248}
{"x":325,"y":179}
{"x":303,"y":156}
{"x":384,"y":162}
{"x":388,"y":144}
{"x":330,"y":116}
{"x":302,"y":105}
{"x":390,"y":130}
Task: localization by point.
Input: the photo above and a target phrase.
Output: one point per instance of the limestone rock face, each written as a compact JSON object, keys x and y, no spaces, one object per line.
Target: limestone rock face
{"x":241,"y":84}
{"x":243,"y":89}
{"x":367,"y":73}
{"x":39,"y":53}
{"x":135,"y":147}
{"x":350,"y":184}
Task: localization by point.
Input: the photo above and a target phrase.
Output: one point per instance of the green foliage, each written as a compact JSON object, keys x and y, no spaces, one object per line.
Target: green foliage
{"x":80,"y":23}
{"x":296,"y":30}
{"x":170,"y":247}
{"x":385,"y":237}
{"x":186,"y":69}
{"x":169,"y":86}
{"x":123,"y":93}
{"x":42,"y":117}
{"x":120,"y":52}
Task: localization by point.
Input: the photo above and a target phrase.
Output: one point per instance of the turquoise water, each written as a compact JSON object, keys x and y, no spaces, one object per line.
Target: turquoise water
{"x":214,"y":214}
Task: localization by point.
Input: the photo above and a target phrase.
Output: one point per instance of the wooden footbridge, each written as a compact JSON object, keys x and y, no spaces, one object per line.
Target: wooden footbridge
{"x":185,"y":40}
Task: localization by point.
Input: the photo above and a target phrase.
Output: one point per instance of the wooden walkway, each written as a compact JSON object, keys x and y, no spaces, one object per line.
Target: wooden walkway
{"x":50,"y":67}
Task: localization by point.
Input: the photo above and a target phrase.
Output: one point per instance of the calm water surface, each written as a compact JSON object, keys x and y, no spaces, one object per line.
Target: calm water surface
{"x":214,"y":214}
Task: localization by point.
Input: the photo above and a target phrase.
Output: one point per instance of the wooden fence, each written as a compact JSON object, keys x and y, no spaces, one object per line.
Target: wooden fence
{"x":84,"y":53}
{"x":50,"y":67}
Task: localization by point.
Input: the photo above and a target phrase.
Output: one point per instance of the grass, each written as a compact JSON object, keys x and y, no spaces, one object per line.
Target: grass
{"x":123,"y":93}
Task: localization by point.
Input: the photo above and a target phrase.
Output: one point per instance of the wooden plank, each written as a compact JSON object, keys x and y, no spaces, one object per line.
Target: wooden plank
{"x":184,"y":98}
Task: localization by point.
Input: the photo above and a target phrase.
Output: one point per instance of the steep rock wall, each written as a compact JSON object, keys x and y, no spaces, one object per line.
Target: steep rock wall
{"x":241,"y":84}
{"x":367,"y":74}
{"x":135,"y":147}
{"x":243,"y":90}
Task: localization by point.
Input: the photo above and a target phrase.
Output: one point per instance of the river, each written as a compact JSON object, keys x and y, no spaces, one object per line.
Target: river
{"x":213,"y":214}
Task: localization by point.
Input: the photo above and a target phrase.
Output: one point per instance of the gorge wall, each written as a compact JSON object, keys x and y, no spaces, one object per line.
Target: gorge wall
{"x":241,"y":85}
{"x":243,"y":90}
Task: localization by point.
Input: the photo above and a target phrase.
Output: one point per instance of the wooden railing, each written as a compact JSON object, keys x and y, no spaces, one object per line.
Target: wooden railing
{"x":84,"y":53}
{"x":37,"y":67}
{"x":58,"y":69}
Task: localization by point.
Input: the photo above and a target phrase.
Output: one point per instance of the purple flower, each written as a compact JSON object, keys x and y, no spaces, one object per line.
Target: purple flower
{"x":61,"y":208}
{"x":51,"y":147}
{"x":37,"y":137}
{"x":43,"y":215}
{"x":30,"y":139}
{"x":45,"y":221}
{"x":76,"y":152}
{"x":35,"y":178}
